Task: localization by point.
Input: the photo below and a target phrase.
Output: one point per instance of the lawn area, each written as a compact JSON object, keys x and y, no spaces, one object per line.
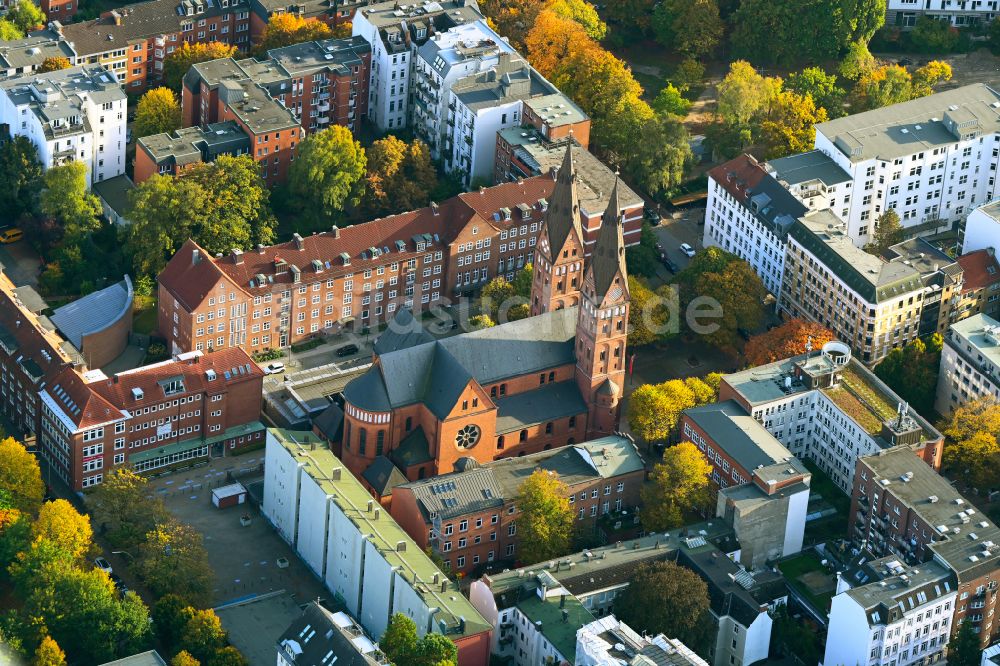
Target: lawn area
{"x":144,"y":315}
{"x":810,"y":578}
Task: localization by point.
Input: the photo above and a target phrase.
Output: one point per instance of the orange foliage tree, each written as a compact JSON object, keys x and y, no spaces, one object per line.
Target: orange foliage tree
{"x":786,"y":340}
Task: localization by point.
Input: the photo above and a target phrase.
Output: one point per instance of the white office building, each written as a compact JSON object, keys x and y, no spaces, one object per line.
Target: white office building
{"x":71,"y":115}
{"x":982,"y":229}
{"x":441,"y":61}
{"x":396,"y":31}
{"x":970,"y":363}
{"x":931,"y":159}
{"x":885,"y":614}
{"x":749,"y":213}
{"x":352,"y":544}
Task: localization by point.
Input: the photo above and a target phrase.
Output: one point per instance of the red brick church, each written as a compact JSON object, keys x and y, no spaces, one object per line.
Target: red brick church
{"x":552,"y":379}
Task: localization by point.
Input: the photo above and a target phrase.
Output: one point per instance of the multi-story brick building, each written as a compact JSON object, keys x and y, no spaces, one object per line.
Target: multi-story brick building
{"x":87,"y":423}
{"x":980,"y":285}
{"x":317,"y":83}
{"x":469,"y":517}
{"x":132,"y":41}
{"x":902,"y":507}
{"x":72,"y":115}
{"x":831,"y":409}
{"x":174,"y":153}
{"x":756,"y":480}
{"x":364,"y":273}
{"x":970,"y":363}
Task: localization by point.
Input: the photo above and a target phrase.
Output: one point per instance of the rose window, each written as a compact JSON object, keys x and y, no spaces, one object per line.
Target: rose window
{"x":467,"y":437}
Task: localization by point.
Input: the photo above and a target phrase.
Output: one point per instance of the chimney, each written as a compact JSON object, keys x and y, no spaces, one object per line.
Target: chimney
{"x":299,"y":243}
{"x":444,"y":586}
{"x":237,"y":255}
{"x":260,"y":248}
{"x":434,"y":209}
{"x":554,"y":172}
{"x":336,"y":232}
{"x":116,"y":17}
{"x":503,"y":63}
{"x":195,"y":256}
{"x":565,"y":615}
{"x":562,"y":601}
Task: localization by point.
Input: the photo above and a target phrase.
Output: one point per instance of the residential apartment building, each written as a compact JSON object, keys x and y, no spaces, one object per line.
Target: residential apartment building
{"x":422,"y":258}
{"x":318,"y":83}
{"x":904,"y":13}
{"x":942,"y":277}
{"x":888,"y":614}
{"x":469,"y":517}
{"x":931,"y":159}
{"x":982,"y":229}
{"x":19,"y":57}
{"x":174,"y":153}
{"x":980,"y":285}
{"x":522,"y":603}
{"x":749,"y":214}
{"x":321,"y":637}
{"x":132,"y":41}
{"x":610,"y":642}
{"x":760,"y":487}
{"x":359,"y":552}
{"x":829,"y":408}
{"x":902,"y":507}
{"x":395,"y":33}
{"x":873,"y":305}
{"x":442,"y":60}
{"x":814,"y":179}
{"x":970,"y":363}
{"x":484,"y":103}
{"x":334,"y":13}
{"x":71,"y":115}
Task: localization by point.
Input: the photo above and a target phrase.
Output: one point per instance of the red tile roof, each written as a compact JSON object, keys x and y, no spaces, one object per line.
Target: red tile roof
{"x":79,"y":402}
{"x":981,"y":269}
{"x":119,"y":389}
{"x":189,"y":281}
{"x":736,"y":175}
{"x":488,"y":201}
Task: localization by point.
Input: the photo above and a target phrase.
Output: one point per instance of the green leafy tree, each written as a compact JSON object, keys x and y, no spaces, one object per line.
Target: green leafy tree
{"x":744,"y":94}
{"x":173,"y":559}
{"x":794,"y":637}
{"x":857,"y":62}
{"x":327,"y":172}
{"x":670,"y":101}
{"x":912,"y":372}
{"x":162,"y":209}
{"x":203,"y":634}
{"x":581,"y":12}
{"x":15,"y":531}
{"x":631,"y":16}
{"x":496,"y":296}
{"x":689,"y":72}
{"x":931,"y":35}
{"x":822,"y":87}
{"x":26,"y":15}
{"x":184,"y":658}
{"x":177,"y":64}
{"x":642,"y":259}
{"x":692,"y":27}
{"x":170,"y":615}
{"x":963,"y":649}
{"x":786,"y":33}
{"x":65,"y":199}
{"x":545,"y":521}
{"x":863,"y":18}
{"x":401,"y":176}
{"x":888,"y":232}
{"x":227,"y":656}
{"x":522,"y":281}
{"x":435,"y":650}
{"x":20,"y":478}
{"x":49,"y":653}
{"x":678,"y":484}
{"x":158,"y":111}
{"x":654,"y":409}
{"x":730,"y":287}
{"x":686,"y":617}
{"x":659,"y":160}
{"x":9,"y":31}
{"x":648,"y":314}
{"x":121,"y":508}
{"x":882,"y":86}
{"x":789,"y":126}
{"x":399,"y":642}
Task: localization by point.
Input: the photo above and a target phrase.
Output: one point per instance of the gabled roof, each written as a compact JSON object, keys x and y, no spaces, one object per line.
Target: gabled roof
{"x":546,"y":403}
{"x":190,"y":275}
{"x":607,"y":261}
{"x":79,"y":402}
{"x":322,"y":638}
{"x":402,"y":332}
{"x":413,"y":450}
{"x":563,"y":215}
{"x":383,"y":476}
{"x":981,"y":269}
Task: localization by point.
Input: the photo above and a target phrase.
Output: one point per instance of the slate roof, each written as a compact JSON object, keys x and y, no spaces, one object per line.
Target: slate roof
{"x":546,"y":403}
{"x":402,"y":332}
{"x":322,"y":638}
{"x":747,"y":181}
{"x":894,"y":589}
{"x":563,"y":215}
{"x":383,"y":475}
{"x":330,"y":422}
{"x":93,"y":312}
{"x":873,"y":279}
{"x":807,"y":167}
{"x":435,"y":373}
{"x":413,"y":450}
{"x":726,"y":597}
{"x":607,"y":261}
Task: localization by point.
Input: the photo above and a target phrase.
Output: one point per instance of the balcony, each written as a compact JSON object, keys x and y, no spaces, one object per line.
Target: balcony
{"x":323,"y":120}
{"x":324,"y":107}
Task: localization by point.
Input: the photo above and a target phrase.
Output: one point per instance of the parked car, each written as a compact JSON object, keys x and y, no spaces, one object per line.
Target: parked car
{"x":11,"y":235}
{"x":275,"y":368}
{"x":687,"y":250}
{"x":119,"y":584}
{"x":347,"y":350}
{"x":652,"y":216}
{"x":669,"y":265}
{"x":103,"y":565}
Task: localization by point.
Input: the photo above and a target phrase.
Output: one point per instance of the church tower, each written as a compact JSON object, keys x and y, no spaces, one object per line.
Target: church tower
{"x":558,"y":258}
{"x":602,"y":324}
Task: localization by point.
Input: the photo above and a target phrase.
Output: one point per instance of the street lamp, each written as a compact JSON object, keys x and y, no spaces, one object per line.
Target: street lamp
{"x":123,"y":552}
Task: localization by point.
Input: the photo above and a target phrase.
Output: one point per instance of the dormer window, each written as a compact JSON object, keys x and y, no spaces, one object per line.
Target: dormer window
{"x":172,"y":386}
{"x":505,"y":212}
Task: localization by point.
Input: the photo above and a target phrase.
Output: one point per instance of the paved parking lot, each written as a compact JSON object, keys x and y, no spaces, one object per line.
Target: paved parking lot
{"x":244,"y":559}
